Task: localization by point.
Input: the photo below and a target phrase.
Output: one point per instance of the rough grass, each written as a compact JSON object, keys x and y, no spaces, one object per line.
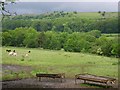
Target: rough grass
{"x":95,"y":15}
{"x":50,"y":61}
{"x":94,"y":85}
{"x":111,"y":36}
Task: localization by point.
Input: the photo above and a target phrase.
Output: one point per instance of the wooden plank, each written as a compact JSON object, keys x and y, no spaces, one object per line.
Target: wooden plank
{"x":94,"y":78}
{"x":61,"y":76}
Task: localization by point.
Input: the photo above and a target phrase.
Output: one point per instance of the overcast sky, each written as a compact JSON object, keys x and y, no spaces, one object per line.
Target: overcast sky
{"x":69,"y":0}
{"x":42,"y":7}
{"x":65,"y":0}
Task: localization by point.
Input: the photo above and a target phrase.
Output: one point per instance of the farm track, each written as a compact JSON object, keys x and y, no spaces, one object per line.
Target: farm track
{"x":15,"y":68}
{"x":45,"y":83}
{"x":35,"y":83}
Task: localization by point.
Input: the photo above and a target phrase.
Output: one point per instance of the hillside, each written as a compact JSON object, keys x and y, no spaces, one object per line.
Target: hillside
{"x":106,"y":22}
{"x":51,"y":61}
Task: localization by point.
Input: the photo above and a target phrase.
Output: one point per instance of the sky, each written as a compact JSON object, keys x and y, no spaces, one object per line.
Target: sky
{"x":66,"y":0}
{"x":43,"y":6}
{"x":69,"y":0}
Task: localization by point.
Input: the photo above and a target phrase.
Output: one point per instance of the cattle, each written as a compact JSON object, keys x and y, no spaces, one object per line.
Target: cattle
{"x":29,"y":51}
{"x":14,"y":54}
{"x":8,"y":50}
{"x":13,"y":50}
{"x":11,"y":53}
{"x":26,"y":55}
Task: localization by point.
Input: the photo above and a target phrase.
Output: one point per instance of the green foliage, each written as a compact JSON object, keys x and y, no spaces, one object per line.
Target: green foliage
{"x":116,"y":47}
{"x":76,"y":42}
{"x":41,"y":39}
{"x":109,"y":25}
{"x":6,"y":39}
{"x":65,"y":22}
{"x":99,"y":51}
{"x":30,"y":38}
{"x":107,"y":47}
{"x":13,"y":24}
{"x":63,"y":30}
{"x":95,"y":33}
{"x":52,"y":41}
{"x":91,"y":41}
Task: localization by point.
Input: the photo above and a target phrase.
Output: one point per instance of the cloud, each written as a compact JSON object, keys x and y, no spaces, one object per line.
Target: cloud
{"x":41,"y":7}
{"x":69,"y":0}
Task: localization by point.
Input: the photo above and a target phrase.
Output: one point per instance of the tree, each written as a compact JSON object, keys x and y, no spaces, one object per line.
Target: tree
{"x":75,"y":12}
{"x":4,"y":11}
{"x":52,"y":41}
{"x":99,"y":51}
{"x":37,"y":26}
{"x":18,"y":36}
{"x":95,"y":33}
{"x":116,"y":47}
{"x":41,"y":39}
{"x":103,"y":14}
{"x":67,"y":29}
{"x":31,"y":38}
{"x":6,"y":39}
{"x":76,"y":42}
{"x":99,"y":11}
{"x":105,"y":45}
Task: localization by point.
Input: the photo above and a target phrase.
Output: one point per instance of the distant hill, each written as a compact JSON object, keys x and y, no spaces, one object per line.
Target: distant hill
{"x":106,"y":22}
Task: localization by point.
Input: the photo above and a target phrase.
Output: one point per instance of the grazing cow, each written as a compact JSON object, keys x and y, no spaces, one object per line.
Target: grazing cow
{"x":13,"y":50}
{"x":8,"y":50}
{"x":14,"y":54}
{"x":26,"y":55}
{"x":11,"y":53}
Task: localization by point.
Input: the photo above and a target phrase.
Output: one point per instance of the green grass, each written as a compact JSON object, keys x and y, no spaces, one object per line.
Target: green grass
{"x":18,"y":75}
{"x":81,"y":15}
{"x":50,"y":61}
{"x":93,"y":85}
{"x":88,"y":15}
{"x":95,"y":15}
{"x":111,"y":36}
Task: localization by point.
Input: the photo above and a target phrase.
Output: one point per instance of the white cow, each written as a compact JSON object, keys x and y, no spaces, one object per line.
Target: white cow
{"x":26,"y":55}
{"x":14,"y":54}
{"x":11,"y":53}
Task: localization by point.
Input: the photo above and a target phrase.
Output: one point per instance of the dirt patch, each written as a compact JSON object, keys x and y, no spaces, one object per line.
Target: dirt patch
{"x":45,"y":83}
{"x":7,"y":69}
{"x":15,"y":67}
{"x":35,"y":83}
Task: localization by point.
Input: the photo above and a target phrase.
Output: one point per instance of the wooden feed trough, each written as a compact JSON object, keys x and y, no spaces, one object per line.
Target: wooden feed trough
{"x":60,"y":75}
{"x":94,"y":78}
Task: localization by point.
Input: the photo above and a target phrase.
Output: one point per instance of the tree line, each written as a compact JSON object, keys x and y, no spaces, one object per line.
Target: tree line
{"x":91,"y":41}
{"x":62,"y":22}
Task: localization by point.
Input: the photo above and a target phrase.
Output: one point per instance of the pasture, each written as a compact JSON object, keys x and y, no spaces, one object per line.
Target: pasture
{"x":51,"y":61}
{"x":111,"y":36}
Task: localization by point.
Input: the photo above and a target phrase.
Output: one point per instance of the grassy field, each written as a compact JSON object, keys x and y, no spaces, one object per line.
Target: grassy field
{"x":82,"y":15}
{"x":49,"y":61}
{"x":111,"y":36}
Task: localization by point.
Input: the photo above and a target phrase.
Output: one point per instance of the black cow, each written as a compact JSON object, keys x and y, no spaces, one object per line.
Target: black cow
{"x":8,"y":50}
